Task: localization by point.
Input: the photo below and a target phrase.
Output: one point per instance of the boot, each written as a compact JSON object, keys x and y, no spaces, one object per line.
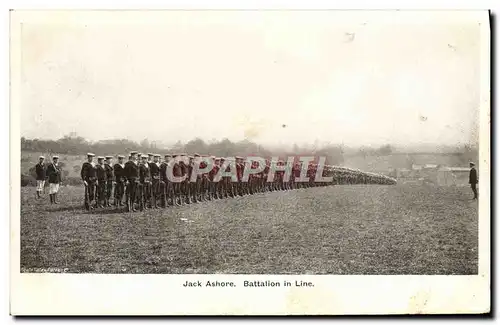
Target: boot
{"x":55,"y":198}
{"x":51,"y":198}
{"x":37,"y":194}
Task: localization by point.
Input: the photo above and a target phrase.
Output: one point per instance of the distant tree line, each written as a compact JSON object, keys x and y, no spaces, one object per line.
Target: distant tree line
{"x":76,"y":145}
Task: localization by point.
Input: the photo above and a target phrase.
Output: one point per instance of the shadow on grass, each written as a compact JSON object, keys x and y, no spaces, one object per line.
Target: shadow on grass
{"x":65,"y":208}
{"x":122,"y":210}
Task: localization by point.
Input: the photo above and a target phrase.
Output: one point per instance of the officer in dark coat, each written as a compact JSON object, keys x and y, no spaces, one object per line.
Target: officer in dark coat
{"x":54,"y":176}
{"x":101,"y":182}
{"x":40,"y":176}
{"x":131,"y":173}
{"x":110,"y":177}
{"x":88,"y":174}
{"x":119,"y":171}
{"x":473,"y":180}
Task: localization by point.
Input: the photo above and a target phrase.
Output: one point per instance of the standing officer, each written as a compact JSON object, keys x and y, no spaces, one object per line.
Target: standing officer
{"x":101,"y":182}
{"x":119,"y":171}
{"x":40,"y":176}
{"x":88,"y":174}
{"x":110,"y":176}
{"x":131,"y":173}
{"x":473,"y":179}
{"x":54,"y":175}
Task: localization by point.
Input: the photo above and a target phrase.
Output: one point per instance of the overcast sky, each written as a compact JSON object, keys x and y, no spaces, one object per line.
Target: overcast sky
{"x":271,"y":77}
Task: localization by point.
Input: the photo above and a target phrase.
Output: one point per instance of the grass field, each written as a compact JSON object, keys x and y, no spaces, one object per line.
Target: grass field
{"x":330,"y":230}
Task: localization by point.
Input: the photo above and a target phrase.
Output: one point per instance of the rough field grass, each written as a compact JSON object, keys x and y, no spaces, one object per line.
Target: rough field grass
{"x":331,"y":230}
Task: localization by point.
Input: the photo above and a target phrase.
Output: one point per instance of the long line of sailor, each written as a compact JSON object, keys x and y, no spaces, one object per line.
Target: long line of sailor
{"x":144,"y":182}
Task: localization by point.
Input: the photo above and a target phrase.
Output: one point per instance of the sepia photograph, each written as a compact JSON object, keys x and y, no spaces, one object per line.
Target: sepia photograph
{"x":226,"y":146}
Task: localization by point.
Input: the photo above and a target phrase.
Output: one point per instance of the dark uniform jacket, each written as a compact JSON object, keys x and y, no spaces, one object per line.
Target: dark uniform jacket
{"x":184,"y":168}
{"x":88,"y":172}
{"x":154,"y":170}
{"x":473,"y":176}
{"x":203,"y":165}
{"x":163,"y":171}
{"x":40,"y":172}
{"x":178,"y":170}
{"x":213,"y":172}
{"x":109,"y":172}
{"x":239,"y":170}
{"x":144,"y":173}
{"x":131,"y":170}
{"x":101,"y":173}
{"x":54,"y":174}
{"x":119,"y":171}
{"x":189,"y":169}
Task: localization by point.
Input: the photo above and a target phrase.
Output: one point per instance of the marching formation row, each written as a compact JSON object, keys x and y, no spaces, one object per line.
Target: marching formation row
{"x":144,"y":181}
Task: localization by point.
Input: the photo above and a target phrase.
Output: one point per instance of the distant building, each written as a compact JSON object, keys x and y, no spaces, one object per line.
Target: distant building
{"x":453,"y":176}
{"x":416,"y":167}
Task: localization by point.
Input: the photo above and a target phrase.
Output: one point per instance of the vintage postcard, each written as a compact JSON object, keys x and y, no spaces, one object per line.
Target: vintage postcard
{"x":249,"y":162}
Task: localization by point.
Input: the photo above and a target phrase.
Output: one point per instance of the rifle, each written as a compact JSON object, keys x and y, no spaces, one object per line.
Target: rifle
{"x":126,"y":188}
{"x":87,"y":197}
{"x":152,"y":198}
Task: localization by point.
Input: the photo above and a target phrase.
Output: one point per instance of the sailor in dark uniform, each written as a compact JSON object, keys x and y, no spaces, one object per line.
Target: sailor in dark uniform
{"x":184,"y":185}
{"x":131,"y":173}
{"x":144,"y":184}
{"x":88,"y":174}
{"x":154,"y":168}
{"x":101,"y":182}
{"x":110,"y":177}
{"x":119,"y":171}
{"x":177,"y":172}
{"x":166,"y":190}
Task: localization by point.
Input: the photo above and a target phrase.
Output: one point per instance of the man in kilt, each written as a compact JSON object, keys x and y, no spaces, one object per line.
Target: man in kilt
{"x":54,"y":176}
{"x":40,"y":171}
